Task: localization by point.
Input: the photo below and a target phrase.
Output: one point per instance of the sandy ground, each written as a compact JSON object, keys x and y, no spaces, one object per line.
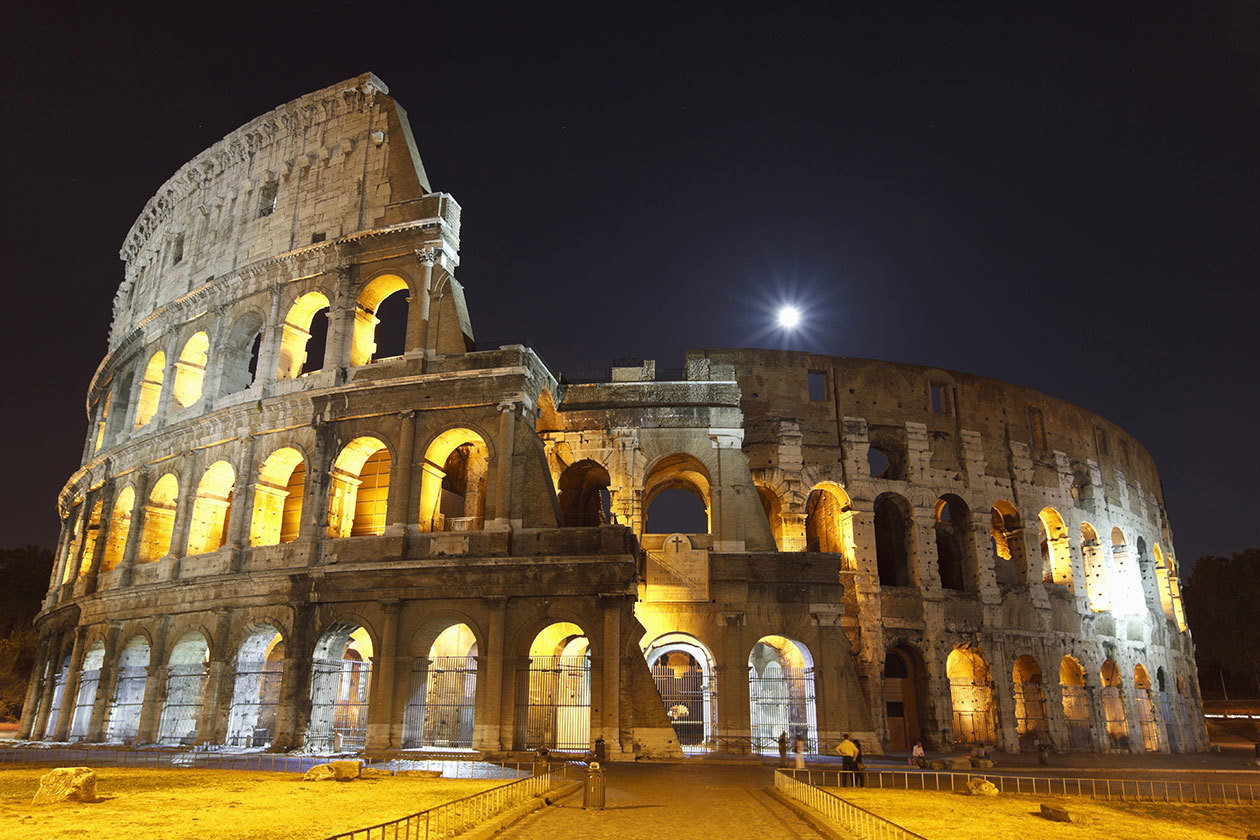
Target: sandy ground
{"x":951,"y":815}
{"x":213,"y":804}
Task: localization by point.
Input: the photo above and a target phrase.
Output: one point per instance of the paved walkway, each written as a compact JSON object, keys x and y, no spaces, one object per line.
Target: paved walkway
{"x":681,"y":802}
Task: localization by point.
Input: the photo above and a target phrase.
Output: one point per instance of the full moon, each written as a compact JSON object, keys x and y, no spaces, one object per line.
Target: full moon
{"x":789,"y":317}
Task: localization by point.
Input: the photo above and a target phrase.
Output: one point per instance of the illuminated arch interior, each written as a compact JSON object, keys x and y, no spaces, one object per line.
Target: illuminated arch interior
{"x":1007,"y":532}
{"x":211,"y":508}
{"x":340,"y":682}
{"x":971,"y":695}
{"x":453,"y":482}
{"x":295,"y":333}
{"x":582,"y":492}
{"x":1030,"y":698}
{"x":278,"y":498}
{"x":159,"y":520}
{"x":256,"y":688}
{"x":677,"y":472}
{"x":190,"y":369}
{"x":119,"y":529}
{"x":557,"y":691}
{"x":185,"y":690}
{"x":682,"y":668}
{"x":1095,"y":563}
{"x":442,"y":709}
{"x":781,"y":694}
{"x":829,"y":521}
{"x":150,"y":389}
{"x":360,"y":489}
{"x":363,"y":344}
{"x":1056,"y":559}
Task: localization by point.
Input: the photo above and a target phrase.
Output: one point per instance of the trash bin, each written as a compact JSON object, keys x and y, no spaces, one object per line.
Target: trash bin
{"x":1257,"y":750}
{"x":601,"y":751}
{"x":593,"y":790}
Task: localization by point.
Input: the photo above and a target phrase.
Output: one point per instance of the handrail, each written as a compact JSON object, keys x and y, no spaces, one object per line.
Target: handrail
{"x":854,"y":818}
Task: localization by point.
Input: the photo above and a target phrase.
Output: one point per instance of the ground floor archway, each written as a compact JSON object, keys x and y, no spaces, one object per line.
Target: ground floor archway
{"x":341,"y":674}
{"x":682,"y":669}
{"x":971,"y":695}
{"x":185,"y":690}
{"x":132,"y":675}
{"x":1076,"y":712}
{"x":781,"y":694}
{"x":553,"y":709}
{"x":256,"y":689}
{"x":443,"y":697}
{"x":903,"y":671}
{"x":1030,"y":703}
{"x":1114,"y":718}
{"x":85,"y":697}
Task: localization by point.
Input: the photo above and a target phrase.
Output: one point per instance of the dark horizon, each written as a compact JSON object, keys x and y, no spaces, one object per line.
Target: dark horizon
{"x":1068,"y":201}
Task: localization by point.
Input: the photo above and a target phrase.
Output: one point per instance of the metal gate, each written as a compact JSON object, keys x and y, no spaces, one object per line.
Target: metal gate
{"x":782,"y":700}
{"x":1170,"y":721}
{"x":255,"y":697}
{"x":84,"y":701}
{"x":1076,"y":715}
{"x":1030,"y":712}
{"x":339,"y":692}
{"x":687,"y":695}
{"x":185,"y":687}
{"x":58,"y":694}
{"x":443,"y":702}
{"x":124,"y":712}
{"x":973,"y":712}
{"x":1146,"y":717}
{"x":1113,"y":713}
{"x":555,"y":707}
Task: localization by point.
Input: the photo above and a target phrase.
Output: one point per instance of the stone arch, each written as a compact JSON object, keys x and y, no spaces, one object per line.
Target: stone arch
{"x":150,"y":389}
{"x":829,"y":521}
{"x":89,"y":684}
{"x":1076,"y":705}
{"x":554,"y":691}
{"x":971,"y":695}
{"x":1031,"y":725}
{"x":186,"y":671}
{"x":238,"y":366}
{"x":894,"y":540}
{"x":677,"y":471}
{"x":454,"y":481}
{"x":441,"y":711}
{"x":583,"y":495}
{"x":278,"y":497}
{"x":211,"y":508}
{"x":1145,"y":703}
{"x":296,"y":332}
{"x":159,"y":520}
{"x":905,"y":695}
{"x":59,"y":675}
{"x":1163,"y":584}
{"x":381,"y":288}
{"x":772,"y":506}
{"x":1115,"y":720}
{"x":131,"y":676}
{"x":359,"y":492}
{"x":190,"y":369}
{"x":340,"y":683}
{"x":1056,"y":560}
{"x":257,"y":671}
{"x":683,"y":668}
{"x":781,"y":694}
{"x":1007,"y":533}
{"x":955,"y":543}
{"x":1097,"y":587}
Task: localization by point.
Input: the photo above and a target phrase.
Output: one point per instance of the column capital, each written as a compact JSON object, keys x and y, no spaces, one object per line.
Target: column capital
{"x":426,"y":256}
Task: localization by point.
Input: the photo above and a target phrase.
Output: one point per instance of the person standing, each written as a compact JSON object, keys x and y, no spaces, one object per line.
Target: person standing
{"x":800,"y":753}
{"x":783,"y":749}
{"x":848,"y":753}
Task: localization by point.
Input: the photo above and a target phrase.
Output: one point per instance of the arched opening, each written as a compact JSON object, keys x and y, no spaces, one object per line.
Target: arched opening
{"x":240,"y":354}
{"x":1127,"y":594}
{"x":89,"y":541}
{"x":971,"y":695}
{"x":256,"y":688}
{"x":71,"y":550}
{"x":185,"y":690}
{"x":1094,"y":561}
{"x":380,"y":327}
{"x":1076,"y":712}
{"x":211,"y":509}
{"x":1030,"y":702}
{"x":58,"y":698}
{"x":360,"y":489}
{"x":85,"y":698}
{"x":453,"y":482}
{"x":553,"y":708}
{"x":886,"y":457}
{"x":1113,"y":706}
{"x":583,"y":495}
{"x":341,"y":672}
{"x":190,"y":370}
{"x":829,"y":521}
{"x":894,"y":543}
{"x":1174,"y":583}
{"x":682,"y":669}
{"x":773,"y":509}
{"x":303,"y":337}
{"x":781,"y":694}
{"x":1007,"y":532}
{"x":903,"y":696}
{"x":278,"y":498}
{"x":1186,"y":720}
{"x":119,"y":529}
{"x":955,"y":543}
{"x":440,"y":714}
{"x":1169,"y":710}
{"x":150,"y":389}
{"x":676,"y":493}
{"x":1163,"y":584}
{"x":159,"y":520}
{"x":123,"y":721}
{"x":1146,"y":708}
{"x":1056,"y":561}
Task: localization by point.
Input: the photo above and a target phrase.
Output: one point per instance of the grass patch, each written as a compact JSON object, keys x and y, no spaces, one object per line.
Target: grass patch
{"x":176,"y":804}
{"x":953,"y":816}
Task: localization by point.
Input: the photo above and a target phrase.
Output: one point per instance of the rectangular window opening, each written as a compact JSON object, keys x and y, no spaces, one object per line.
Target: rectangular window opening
{"x":1037,"y":427}
{"x":1101,"y":437}
{"x":817,"y":385}
{"x":939,"y":394}
{"x":178,"y":253}
{"x":267,"y":198}
{"x":318,"y":237}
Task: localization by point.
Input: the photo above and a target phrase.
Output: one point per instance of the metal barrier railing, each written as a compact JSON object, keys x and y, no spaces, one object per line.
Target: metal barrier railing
{"x":1134,"y":790}
{"x":458,"y":815}
{"x":853,"y":818}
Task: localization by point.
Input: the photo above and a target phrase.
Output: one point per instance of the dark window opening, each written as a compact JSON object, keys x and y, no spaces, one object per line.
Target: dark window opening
{"x":953,"y":526}
{"x":896,"y":709}
{"x":817,"y":385}
{"x":940,"y":398}
{"x":892,"y":553}
{"x":254,"y":349}
{"x":317,"y":343}
{"x":1101,"y":437}
{"x":318,"y":237}
{"x":877,"y":461}
{"x":676,"y":511}
{"x":1124,"y":451}
{"x":177,"y":254}
{"x":391,"y":326}
{"x":1037,"y":428}
{"x":895,"y":667}
{"x":267,"y":198}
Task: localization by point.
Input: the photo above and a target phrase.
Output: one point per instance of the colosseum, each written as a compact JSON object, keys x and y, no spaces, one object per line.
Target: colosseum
{"x":314,"y":514}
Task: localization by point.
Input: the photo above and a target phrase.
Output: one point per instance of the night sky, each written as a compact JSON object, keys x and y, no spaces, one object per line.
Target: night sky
{"x":1066,"y":199}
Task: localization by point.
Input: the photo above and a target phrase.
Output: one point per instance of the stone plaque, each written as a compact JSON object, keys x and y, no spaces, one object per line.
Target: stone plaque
{"x":678,"y":572}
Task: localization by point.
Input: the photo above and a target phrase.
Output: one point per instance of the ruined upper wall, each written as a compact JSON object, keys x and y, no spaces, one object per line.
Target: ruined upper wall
{"x":329,"y":164}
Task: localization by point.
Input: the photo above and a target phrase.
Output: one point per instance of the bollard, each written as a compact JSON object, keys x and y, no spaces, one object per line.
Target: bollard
{"x":593,"y":791}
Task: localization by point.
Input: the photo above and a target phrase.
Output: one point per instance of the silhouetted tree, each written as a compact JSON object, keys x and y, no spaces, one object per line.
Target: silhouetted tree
{"x":25,"y":572}
{"x":1222,"y":601}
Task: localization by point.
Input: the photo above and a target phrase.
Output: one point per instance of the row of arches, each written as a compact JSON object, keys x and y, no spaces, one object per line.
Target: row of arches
{"x":1084,"y":705}
{"x":377,"y":329}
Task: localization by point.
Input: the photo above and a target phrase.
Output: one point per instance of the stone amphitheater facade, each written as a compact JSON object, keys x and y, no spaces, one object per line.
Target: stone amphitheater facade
{"x":440,"y":546}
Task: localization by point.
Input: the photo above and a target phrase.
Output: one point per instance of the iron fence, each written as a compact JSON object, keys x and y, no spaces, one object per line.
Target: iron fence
{"x":853,"y":818}
{"x":459,"y":815}
{"x":1133,"y":790}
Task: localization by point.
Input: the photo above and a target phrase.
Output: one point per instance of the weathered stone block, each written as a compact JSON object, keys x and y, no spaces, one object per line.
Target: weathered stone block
{"x":66,"y":784}
{"x":982,"y":787}
{"x":1056,"y":814}
{"x":334,"y":771}
{"x":959,"y":763}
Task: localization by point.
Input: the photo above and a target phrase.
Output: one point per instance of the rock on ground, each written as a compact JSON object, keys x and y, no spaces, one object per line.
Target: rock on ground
{"x":960,"y":764}
{"x":334,"y":771}
{"x":982,"y":763}
{"x":1055,"y":813}
{"x":981,"y":787}
{"x":74,"y":784}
